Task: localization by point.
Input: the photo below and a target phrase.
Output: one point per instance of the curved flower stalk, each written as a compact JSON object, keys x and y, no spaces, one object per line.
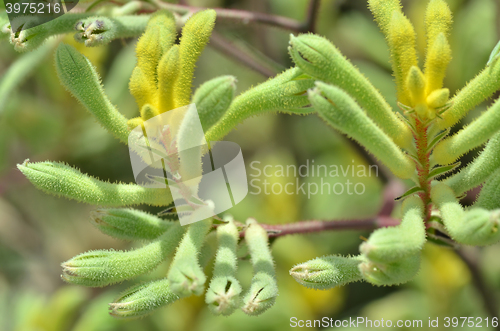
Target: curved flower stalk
{"x":413,"y":146}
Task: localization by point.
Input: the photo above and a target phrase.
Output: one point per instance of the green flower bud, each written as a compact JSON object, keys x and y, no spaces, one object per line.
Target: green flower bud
{"x":213,"y":98}
{"x":489,"y":198}
{"x":185,"y":275}
{"x":143,"y":299}
{"x":223,"y":293}
{"x":319,"y":58}
{"x":129,"y":224}
{"x":395,"y":243}
{"x":393,"y":273}
{"x":339,"y":110}
{"x":31,"y":38}
{"x":477,"y":226}
{"x":479,"y":170}
{"x":79,"y":76}
{"x":475,"y":134}
{"x":104,"y":267}
{"x":208,"y":249}
{"x":97,"y":31}
{"x":286,"y":92}
{"x":482,"y":87}
{"x":263,"y":290}
{"x":326,"y":272}
{"x":480,"y":227}
{"x":62,"y":180}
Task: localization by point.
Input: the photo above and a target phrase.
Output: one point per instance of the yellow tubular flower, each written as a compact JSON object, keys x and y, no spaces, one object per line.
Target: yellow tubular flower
{"x":158,"y":38}
{"x":141,"y":88}
{"x":168,"y":71}
{"x":438,"y":20}
{"x":382,"y":10}
{"x":402,"y":45}
{"x":195,"y":36}
{"x":438,"y":58}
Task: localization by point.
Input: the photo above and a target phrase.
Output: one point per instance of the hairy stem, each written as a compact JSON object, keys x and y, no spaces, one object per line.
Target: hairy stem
{"x":423,"y":166}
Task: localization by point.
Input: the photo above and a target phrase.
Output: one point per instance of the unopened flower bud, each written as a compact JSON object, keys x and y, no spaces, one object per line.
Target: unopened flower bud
{"x":185,"y":275}
{"x":79,"y":76}
{"x":320,"y":59}
{"x":393,"y":273}
{"x":104,"y":267}
{"x":213,"y":98}
{"x":62,"y":180}
{"x":223,"y":295}
{"x":263,"y":289}
{"x":327,"y":272}
{"x":143,"y":299}
{"x":395,"y":243}
{"x":129,"y":224}
{"x":340,"y":111}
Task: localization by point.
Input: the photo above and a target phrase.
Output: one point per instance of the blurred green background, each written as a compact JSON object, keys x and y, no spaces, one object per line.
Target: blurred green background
{"x":39,"y":120}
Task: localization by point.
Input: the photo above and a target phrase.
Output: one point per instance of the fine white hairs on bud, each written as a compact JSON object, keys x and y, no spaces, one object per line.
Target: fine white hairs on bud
{"x":263,"y":289}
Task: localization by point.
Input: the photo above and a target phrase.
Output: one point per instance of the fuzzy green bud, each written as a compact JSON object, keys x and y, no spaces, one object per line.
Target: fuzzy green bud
{"x":393,"y":273}
{"x":185,"y":275}
{"x":396,"y":243}
{"x":478,"y":170}
{"x":129,"y":224}
{"x":213,"y":98}
{"x":79,"y":76}
{"x":97,"y":31}
{"x":482,"y":87}
{"x":476,"y":226}
{"x":223,"y":293}
{"x":60,"y":179}
{"x":142,"y":300}
{"x":263,"y":290}
{"x":104,"y":267}
{"x":30,"y":38}
{"x":286,"y":92}
{"x":489,"y":198}
{"x":326,"y":272}
{"x":319,"y":58}
{"x":339,"y":110}
{"x":475,"y":134}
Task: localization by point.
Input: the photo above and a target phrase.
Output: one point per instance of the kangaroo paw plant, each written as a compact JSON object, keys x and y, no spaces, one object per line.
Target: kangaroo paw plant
{"x":160,"y":82}
{"x":414,"y":143}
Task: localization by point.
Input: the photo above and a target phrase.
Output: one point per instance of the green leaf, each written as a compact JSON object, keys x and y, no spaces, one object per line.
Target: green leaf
{"x":411,"y":191}
{"x":437,"y":139}
{"x":439,"y":171}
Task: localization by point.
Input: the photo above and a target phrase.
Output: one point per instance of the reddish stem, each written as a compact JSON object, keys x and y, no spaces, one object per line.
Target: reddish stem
{"x":279,"y":230}
{"x":423,"y":166}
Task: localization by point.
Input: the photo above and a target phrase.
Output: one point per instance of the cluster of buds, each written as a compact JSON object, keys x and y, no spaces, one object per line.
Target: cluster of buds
{"x":161,"y":82}
{"x":414,"y":145}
